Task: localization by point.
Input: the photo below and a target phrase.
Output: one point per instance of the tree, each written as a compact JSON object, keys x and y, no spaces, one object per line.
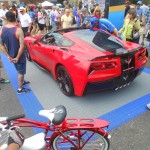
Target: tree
{"x":135,"y":1}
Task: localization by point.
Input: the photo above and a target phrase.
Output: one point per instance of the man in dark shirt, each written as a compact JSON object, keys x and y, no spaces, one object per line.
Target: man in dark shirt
{"x":127,"y":8}
{"x":12,"y":44}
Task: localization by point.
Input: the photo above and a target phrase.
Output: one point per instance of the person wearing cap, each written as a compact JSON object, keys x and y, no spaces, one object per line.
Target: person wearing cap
{"x":139,"y":10}
{"x":103,"y":24}
{"x":127,"y":7}
{"x":3,"y":11}
{"x":25,"y":21}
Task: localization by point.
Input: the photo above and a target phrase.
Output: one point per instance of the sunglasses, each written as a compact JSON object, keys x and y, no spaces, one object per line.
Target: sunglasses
{"x":97,"y":11}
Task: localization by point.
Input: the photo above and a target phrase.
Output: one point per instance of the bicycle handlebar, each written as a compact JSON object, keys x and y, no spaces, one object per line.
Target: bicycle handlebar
{"x":15,"y":117}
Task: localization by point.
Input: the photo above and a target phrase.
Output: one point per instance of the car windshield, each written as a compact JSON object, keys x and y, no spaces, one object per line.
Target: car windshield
{"x":100,"y":40}
{"x":58,"y":38}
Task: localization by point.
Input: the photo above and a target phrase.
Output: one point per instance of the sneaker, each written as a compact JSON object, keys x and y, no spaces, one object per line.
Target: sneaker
{"x":4,"y":81}
{"x":26,"y":82}
{"x":16,"y":137}
{"x":23,"y":90}
{"x":148,"y":105}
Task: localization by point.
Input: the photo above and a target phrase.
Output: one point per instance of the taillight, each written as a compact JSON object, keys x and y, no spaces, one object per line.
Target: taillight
{"x":103,"y":65}
{"x":141,"y":54}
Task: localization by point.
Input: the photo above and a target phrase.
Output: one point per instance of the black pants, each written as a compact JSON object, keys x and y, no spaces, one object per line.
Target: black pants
{"x":134,"y":40}
{"x":25,"y":30}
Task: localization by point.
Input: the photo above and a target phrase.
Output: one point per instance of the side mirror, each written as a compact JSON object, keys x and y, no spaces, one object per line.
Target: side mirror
{"x":34,"y":42}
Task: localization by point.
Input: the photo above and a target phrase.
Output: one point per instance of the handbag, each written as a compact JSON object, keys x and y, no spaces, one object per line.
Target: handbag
{"x":135,"y":34}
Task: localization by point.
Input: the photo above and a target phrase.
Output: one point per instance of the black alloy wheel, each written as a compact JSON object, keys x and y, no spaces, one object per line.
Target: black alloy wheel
{"x":64,"y":81}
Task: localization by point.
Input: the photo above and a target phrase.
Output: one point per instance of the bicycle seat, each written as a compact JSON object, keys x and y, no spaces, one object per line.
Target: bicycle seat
{"x":55,"y":115}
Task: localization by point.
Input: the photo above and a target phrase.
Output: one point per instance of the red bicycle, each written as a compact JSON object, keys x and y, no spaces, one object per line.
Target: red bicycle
{"x":67,"y":133}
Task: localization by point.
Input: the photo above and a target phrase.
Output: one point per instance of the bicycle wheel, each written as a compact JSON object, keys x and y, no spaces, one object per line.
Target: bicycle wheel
{"x":80,"y":140}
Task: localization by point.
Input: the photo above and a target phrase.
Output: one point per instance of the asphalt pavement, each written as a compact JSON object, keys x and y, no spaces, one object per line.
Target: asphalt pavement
{"x":133,"y":135}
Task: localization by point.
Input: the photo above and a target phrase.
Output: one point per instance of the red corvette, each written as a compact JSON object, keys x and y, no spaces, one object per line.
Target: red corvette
{"x":83,"y":59}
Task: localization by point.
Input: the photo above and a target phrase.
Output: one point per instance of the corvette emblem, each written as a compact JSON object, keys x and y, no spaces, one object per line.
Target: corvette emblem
{"x":128,"y":60}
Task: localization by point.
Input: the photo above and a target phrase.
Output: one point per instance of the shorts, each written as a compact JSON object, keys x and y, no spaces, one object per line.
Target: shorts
{"x":57,"y":23}
{"x":25,"y":30}
{"x":21,"y":68}
{"x":146,"y":28}
{"x":41,"y":26}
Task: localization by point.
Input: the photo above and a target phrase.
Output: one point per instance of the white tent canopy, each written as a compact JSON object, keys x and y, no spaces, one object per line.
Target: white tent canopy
{"x":46,"y":3}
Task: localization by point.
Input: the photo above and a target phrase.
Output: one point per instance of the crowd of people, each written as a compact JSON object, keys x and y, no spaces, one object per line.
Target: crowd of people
{"x":36,"y":20}
{"x":136,"y":17}
{"x":22,"y":21}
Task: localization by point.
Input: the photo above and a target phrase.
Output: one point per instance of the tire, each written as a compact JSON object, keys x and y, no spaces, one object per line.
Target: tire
{"x":97,"y":141}
{"x":27,"y":54}
{"x":64,"y":81}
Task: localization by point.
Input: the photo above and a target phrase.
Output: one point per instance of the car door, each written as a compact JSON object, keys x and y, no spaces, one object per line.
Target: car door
{"x":38,"y":48}
{"x":47,"y":53}
{"x":52,"y":51}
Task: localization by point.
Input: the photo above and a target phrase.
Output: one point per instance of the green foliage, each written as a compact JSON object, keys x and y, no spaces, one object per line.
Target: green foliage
{"x":135,"y":1}
{"x":60,"y":1}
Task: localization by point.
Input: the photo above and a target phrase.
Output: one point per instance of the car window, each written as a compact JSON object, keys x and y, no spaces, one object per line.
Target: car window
{"x":107,"y":41}
{"x":59,"y":40}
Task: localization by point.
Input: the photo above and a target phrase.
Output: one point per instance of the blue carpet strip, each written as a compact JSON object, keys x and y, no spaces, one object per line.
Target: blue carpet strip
{"x":126,"y":112}
{"x":146,"y":70}
{"x":29,"y":101}
{"x":117,"y":117}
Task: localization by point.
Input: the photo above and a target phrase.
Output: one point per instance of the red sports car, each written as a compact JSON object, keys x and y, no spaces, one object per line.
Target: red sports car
{"x":83,"y":59}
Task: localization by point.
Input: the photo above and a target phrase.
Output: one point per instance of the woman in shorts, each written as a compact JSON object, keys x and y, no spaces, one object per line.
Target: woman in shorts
{"x":41,"y":20}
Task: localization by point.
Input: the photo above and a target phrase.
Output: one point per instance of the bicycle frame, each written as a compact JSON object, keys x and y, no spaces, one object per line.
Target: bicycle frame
{"x":68,"y":124}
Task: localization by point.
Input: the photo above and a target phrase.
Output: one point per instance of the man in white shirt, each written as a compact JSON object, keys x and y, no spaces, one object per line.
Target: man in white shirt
{"x":25,"y":21}
{"x":3,"y":11}
{"x":66,"y":19}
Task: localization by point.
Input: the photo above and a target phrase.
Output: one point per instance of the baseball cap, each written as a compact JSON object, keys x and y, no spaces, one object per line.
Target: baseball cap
{"x":21,"y":8}
{"x":93,"y":21}
{"x":139,"y":2}
{"x":127,"y":2}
